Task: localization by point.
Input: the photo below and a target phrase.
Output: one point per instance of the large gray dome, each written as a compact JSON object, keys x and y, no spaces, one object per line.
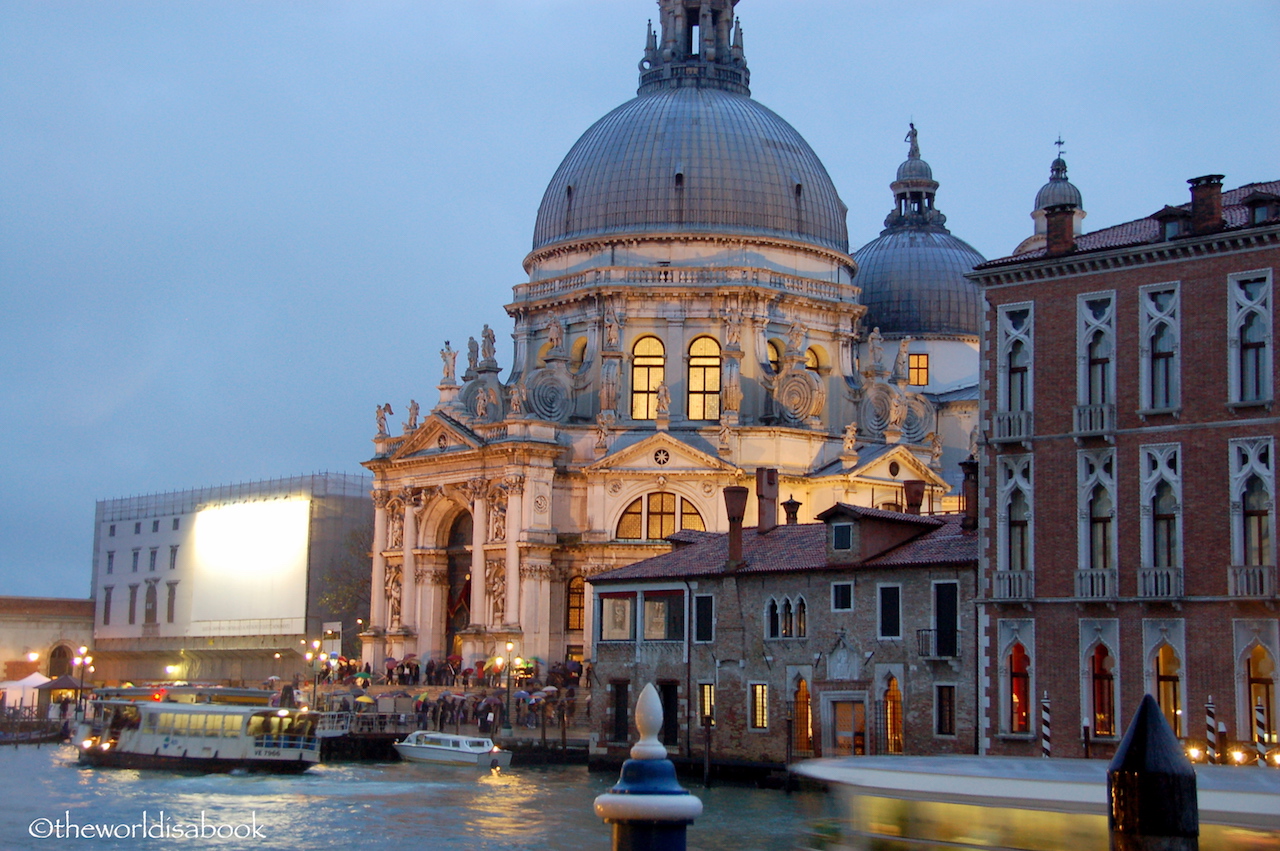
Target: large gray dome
{"x":692,"y":159}
{"x":913,"y":282}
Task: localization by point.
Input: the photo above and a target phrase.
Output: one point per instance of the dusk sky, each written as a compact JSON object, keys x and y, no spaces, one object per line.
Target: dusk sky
{"x":229,"y":229}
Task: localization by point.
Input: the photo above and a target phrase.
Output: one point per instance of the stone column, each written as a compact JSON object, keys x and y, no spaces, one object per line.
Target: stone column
{"x":434,"y":592}
{"x":535,"y":576}
{"x":409,"y":566}
{"x":479,"y":534}
{"x":515,"y":522}
{"x":377,"y":591}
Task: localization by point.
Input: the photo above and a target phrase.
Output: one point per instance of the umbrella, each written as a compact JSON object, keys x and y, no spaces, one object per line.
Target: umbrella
{"x":273,"y":678}
{"x":549,"y":689}
{"x":491,"y":701}
{"x":455,"y":658}
{"x":359,"y":676}
{"x":409,"y":656}
{"x":364,"y":698}
{"x":521,"y":694}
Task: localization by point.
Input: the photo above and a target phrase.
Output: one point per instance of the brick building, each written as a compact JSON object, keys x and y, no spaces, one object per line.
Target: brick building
{"x":1129,"y":474}
{"x":854,"y":635}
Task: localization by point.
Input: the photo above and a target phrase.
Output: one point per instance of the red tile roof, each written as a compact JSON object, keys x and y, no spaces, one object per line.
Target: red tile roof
{"x":1147,"y":230}
{"x":800,"y":547}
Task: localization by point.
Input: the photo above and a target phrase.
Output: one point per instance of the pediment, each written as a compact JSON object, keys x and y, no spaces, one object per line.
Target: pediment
{"x":439,"y":434}
{"x":910,"y":467}
{"x":661,"y":453}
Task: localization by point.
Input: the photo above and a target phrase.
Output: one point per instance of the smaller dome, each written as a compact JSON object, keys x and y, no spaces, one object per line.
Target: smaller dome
{"x":915,"y":169}
{"x":1058,"y":190}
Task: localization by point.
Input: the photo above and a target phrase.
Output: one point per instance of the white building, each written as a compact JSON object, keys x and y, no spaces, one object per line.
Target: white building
{"x":692,"y":313}
{"x":220,"y":583}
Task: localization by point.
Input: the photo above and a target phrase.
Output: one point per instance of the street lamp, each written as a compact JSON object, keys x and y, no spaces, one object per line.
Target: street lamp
{"x":82,"y":660}
{"x":506,"y":720}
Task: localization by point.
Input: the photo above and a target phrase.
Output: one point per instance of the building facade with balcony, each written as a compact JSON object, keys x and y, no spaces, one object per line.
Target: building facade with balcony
{"x":849,"y":636}
{"x":1129,"y":474}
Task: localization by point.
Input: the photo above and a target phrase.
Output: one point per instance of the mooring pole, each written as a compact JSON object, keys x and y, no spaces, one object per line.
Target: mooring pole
{"x":1046,"y":740}
{"x":1211,"y":732}
{"x":1151,"y":788}
{"x":648,"y":808}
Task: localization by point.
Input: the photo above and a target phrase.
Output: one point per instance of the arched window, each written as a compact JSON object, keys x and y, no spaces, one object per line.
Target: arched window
{"x":1253,"y":366}
{"x":1103,"y":689}
{"x":1164,"y":526}
{"x":59,"y":661}
{"x":771,"y":628}
{"x":1257,"y":523}
{"x":458,"y":604}
{"x":803,"y":729}
{"x":802,"y":618}
{"x":1100,"y":529}
{"x":704,"y":380}
{"x":1262,"y":692}
{"x":1169,"y":687}
{"x":1099,"y":390}
{"x":893,"y":716}
{"x":658,"y":516}
{"x":1019,"y":362}
{"x":811,"y":359}
{"x":574,"y":604}
{"x":1162,"y":377}
{"x":1019,"y":718}
{"x":1019,"y":543}
{"x":648,"y":362}
{"x":775,"y":357}
{"x":788,"y":620}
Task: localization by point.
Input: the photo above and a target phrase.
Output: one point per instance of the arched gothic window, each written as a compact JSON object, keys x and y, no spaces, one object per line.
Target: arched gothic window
{"x":1169,"y":687}
{"x":704,"y":380}
{"x":893,"y":716}
{"x":648,"y":369}
{"x":1103,"y":687}
{"x":1019,"y":708}
{"x":658,"y":516}
{"x":786,"y":618}
{"x":1256,"y":533}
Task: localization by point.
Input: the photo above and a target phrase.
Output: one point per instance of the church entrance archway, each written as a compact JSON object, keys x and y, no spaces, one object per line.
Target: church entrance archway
{"x":458,"y":612}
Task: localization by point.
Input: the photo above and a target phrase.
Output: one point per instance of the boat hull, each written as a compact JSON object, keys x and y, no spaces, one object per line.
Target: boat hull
{"x":198,"y":765}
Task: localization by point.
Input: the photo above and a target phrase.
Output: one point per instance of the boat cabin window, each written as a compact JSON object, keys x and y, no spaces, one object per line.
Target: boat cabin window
{"x":475,"y":744}
{"x":181,"y":724}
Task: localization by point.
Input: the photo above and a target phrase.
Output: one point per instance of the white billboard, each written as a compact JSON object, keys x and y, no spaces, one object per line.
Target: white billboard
{"x":250,"y":565}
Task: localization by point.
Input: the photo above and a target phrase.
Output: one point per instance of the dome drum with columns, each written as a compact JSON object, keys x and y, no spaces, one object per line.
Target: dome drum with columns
{"x":691,"y":314}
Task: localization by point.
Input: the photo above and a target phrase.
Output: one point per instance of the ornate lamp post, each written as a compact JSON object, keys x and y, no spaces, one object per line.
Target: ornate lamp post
{"x":82,"y":660}
{"x":506,"y":719}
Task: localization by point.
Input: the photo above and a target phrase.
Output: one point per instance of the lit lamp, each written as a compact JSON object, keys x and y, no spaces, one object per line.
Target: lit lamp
{"x":82,"y":660}
{"x":506,"y":720}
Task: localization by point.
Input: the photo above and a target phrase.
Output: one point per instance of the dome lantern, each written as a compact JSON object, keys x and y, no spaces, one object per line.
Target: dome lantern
{"x":701,"y":47}
{"x":914,"y":191}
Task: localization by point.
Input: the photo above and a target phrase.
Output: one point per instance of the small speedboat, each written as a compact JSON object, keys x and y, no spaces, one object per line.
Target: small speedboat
{"x":449,"y":749}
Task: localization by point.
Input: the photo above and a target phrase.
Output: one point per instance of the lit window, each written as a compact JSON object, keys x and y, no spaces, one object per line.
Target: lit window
{"x":918,"y":370}
{"x":1019,"y":690}
{"x":893,"y":716}
{"x":647,"y":372}
{"x":1169,"y":687}
{"x":654,"y":518}
{"x":704,"y":379}
{"x":574,"y":603}
{"x":811,"y":361}
{"x":1262,"y":692}
{"x":759,"y":706}
{"x":775,"y":358}
{"x":1102,"y":683}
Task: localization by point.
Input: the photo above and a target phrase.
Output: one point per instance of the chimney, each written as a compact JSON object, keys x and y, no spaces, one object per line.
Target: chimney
{"x":913,"y":495}
{"x":969,"y":491}
{"x":792,"y":509}
{"x":1060,"y":235}
{"x":1206,"y":204}
{"x":767,"y":499}
{"x":735,"y":504}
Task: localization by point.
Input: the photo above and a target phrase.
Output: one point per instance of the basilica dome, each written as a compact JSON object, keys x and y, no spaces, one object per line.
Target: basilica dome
{"x":913,"y":275}
{"x":693,"y":153}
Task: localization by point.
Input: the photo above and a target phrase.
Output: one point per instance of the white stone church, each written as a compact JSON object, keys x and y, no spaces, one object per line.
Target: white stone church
{"x":692,"y":313}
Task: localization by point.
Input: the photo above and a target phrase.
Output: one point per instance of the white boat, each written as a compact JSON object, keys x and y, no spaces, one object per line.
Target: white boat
{"x":448,"y":749}
{"x":227,"y":730}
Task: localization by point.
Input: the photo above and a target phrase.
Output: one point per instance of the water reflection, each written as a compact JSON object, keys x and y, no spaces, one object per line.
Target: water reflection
{"x":376,"y":806}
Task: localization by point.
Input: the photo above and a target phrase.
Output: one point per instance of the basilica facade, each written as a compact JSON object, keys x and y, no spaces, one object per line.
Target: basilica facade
{"x":692,"y":313}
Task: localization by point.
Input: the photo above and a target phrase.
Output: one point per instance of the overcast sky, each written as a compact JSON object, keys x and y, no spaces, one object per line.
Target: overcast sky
{"x":229,"y":229}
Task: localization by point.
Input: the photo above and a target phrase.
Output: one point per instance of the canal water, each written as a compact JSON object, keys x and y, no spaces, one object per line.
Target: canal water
{"x":401,"y":806}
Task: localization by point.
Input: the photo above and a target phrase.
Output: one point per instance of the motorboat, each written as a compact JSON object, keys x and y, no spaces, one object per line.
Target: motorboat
{"x":223,"y":731}
{"x":450,"y":749}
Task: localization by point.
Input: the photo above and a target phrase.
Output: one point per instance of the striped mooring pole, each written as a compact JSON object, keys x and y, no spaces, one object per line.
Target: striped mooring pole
{"x":1210,"y":732}
{"x":1260,"y":731}
{"x":1046,"y":745}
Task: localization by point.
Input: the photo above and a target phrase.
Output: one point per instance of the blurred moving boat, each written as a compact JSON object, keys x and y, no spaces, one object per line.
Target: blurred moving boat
{"x":450,"y":749}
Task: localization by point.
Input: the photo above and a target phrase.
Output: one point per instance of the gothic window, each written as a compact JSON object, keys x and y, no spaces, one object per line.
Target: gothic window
{"x":893,"y":716}
{"x":59,"y":661}
{"x":1095,"y":344}
{"x":1097,"y":509}
{"x":657,"y":516}
{"x":802,"y":618}
{"x":1102,"y":691}
{"x":1015,"y":524}
{"x":1262,"y":692}
{"x":1252,"y":501}
{"x":1249,"y":337}
{"x":772,"y":628}
{"x":1162,"y":507}
{"x":704,"y":379}
{"x":786,"y":618}
{"x":648,"y":360}
{"x":1018,"y":717}
{"x":803,"y":730}
{"x":1159,"y":363}
{"x":574,"y":604}
{"x":1014,"y":357}
{"x":1168,"y":676}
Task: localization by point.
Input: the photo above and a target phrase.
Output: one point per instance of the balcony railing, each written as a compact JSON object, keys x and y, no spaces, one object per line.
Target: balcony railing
{"x":1096,"y":584}
{"x":1011,"y":426}
{"x":1160,"y":582}
{"x":1095,"y":419}
{"x":1013,"y":585}
{"x":1251,"y":580}
{"x":937,"y":644}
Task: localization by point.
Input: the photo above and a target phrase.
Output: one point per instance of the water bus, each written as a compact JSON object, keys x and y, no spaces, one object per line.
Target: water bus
{"x":190,"y":728}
